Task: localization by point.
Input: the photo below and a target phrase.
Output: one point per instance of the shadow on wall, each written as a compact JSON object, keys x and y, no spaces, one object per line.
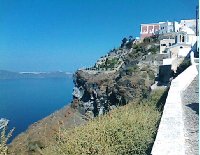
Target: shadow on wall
{"x":194,"y":107}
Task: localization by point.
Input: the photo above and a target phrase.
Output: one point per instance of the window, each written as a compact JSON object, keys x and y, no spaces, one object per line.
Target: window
{"x":165,"y":51}
{"x":181,"y":46}
{"x":170,"y":44}
{"x":183,"y":39}
{"x":163,"y":45}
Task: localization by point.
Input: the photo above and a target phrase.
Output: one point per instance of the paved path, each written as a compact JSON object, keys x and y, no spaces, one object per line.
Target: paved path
{"x":190,"y":100}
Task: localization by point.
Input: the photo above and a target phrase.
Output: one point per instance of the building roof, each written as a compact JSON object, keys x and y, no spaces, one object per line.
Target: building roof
{"x":188,"y":20}
{"x":180,"y":44}
{"x":187,"y":30}
{"x":151,"y":24}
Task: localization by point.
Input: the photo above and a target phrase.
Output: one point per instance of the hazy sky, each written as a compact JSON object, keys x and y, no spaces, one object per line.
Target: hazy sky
{"x":49,"y":35}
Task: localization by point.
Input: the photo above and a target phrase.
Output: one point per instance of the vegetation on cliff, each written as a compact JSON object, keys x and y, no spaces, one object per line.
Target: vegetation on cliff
{"x":130,"y":129}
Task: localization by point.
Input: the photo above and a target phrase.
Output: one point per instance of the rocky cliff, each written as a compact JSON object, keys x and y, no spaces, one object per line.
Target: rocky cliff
{"x":100,"y":89}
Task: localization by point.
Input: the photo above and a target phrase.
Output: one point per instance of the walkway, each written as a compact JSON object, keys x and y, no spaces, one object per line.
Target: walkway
{"x":178,"y":129}
{"x":190,"y":101}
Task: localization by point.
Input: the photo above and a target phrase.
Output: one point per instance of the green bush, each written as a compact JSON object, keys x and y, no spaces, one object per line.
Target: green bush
{"x":151,"y":75}
{"x":183,"y":66}
{"x":112,"y":62}
{"x":132,"y":55}
{"x":132,"y":69}
{"x":153,"y":50}
{"x":130,"y":129}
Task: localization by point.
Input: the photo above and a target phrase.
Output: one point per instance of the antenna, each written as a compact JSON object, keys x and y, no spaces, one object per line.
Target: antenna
{"x":197,"y":17}
{"x":197,"y":30}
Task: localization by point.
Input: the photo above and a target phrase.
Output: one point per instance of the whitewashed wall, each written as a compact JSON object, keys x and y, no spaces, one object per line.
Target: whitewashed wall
{"x":170,"y":137}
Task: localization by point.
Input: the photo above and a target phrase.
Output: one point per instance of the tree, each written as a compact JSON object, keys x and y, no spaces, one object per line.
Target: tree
{"x":130,"y":38}
{"x":124,"y":40}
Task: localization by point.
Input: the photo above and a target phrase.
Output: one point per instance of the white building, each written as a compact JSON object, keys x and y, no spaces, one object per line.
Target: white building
{"x":186,"y":35}
{"x":191,"y":23}
{"x":168,"y":27}
{"x":176,"y":26}
{"x":184,"y":43}
{"x":165,"y":44}
{"x":151,"y":29}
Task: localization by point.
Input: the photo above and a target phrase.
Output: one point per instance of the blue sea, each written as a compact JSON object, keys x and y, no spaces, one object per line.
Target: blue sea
{"x":25,"y":101}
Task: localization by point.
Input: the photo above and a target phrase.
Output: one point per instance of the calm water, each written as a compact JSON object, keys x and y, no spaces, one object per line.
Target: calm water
{"x":25,"y":101}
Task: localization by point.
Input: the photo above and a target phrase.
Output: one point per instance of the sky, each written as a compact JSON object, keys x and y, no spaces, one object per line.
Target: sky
{"x":65,"y":35}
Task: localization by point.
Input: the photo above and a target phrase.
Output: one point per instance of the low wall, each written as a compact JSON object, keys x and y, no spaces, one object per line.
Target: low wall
{"x":98,"y":71}
{"x":170,"y":136}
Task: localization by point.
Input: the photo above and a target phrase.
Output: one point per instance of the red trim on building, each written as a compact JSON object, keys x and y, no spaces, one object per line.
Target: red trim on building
{"x":148,"y":30}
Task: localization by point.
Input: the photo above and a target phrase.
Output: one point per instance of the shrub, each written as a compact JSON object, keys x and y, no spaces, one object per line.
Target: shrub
{"x":129,"y":129}
{"x":184,"y":65}
{"x":153,"y":50}
{"x":136,"y":46}
{"x":132,"y":55}
{"x":151,"y":75}
{"x":145,"y":68}
{"x":132,"y":69}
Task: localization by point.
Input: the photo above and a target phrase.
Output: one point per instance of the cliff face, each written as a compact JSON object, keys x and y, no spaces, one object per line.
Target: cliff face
{"x":98,"y":90}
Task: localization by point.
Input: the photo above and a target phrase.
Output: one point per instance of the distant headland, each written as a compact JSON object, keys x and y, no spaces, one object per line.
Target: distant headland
{"x":5,"y":74}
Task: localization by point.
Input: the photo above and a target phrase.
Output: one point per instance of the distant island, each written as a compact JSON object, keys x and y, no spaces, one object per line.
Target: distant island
{"x":4,"y":74}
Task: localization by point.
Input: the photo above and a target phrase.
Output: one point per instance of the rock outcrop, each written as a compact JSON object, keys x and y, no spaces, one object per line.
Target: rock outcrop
{"x":98,"y":91}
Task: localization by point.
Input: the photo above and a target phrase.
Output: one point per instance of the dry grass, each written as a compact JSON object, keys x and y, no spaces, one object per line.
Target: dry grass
{"x":126,"y":130}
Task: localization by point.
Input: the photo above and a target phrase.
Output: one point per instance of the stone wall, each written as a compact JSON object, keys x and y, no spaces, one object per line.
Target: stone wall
{"x":170,"y":137}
